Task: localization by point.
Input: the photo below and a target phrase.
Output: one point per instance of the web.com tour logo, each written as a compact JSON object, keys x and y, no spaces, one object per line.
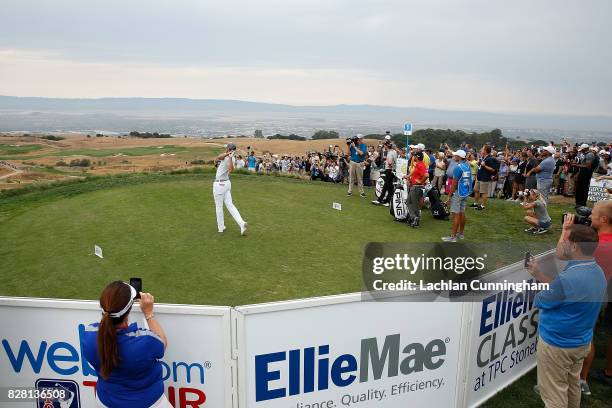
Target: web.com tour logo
{"x":389,"y":359}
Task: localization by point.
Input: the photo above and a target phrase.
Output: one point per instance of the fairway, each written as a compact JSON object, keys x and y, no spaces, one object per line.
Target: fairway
{"x":161,"y":227}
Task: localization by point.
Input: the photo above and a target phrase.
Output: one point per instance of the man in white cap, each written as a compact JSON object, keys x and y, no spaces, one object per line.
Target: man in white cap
{"x":222,"y":189}
{"x":457,"y":196}
{"x":544,"y":171}
{"x":585,"y":165}
{"x":358,"y":151}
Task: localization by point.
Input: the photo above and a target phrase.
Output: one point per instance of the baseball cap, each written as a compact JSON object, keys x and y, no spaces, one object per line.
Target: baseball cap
{"x":420,"y":146}
{"x":388,"y":137}
{"x":584,"y":146}
{"x":550,"y":149}
{"x":460,"y":153}
{"x":359,"y":136}
{"x":231,"y":146}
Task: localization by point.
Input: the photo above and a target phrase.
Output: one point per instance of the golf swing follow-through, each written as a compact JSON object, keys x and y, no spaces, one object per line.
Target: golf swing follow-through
{"x":222,"y":189}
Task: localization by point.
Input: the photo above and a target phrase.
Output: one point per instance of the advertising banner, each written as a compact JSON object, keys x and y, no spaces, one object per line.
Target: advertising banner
{"x":503,"y":335}
{"x":599,"y":190}
{"x":340,"y":352}
{"x":46,"y":352}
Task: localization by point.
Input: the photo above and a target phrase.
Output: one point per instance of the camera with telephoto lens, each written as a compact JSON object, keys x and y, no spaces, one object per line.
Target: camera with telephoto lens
{"x":353,"y":139}
{"x":582,"y":216}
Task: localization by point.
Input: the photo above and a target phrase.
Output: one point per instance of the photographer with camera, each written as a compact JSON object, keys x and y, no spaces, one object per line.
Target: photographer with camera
{"x":358,"y":152}
{"x":601,"y":220}
{"x":567,"y":313}
{"x":487,"y":170}
{"x":537,"y":214}
{"x":124,"y":356}
{"x":390,"y":163}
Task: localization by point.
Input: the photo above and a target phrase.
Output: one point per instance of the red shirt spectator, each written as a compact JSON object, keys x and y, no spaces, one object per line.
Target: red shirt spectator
{"x":418,"y":173}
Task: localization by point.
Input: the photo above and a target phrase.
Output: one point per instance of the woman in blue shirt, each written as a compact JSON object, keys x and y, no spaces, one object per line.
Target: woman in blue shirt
{"x":126,"y":357}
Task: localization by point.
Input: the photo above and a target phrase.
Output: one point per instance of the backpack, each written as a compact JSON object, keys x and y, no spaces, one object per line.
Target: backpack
{"x":438,"y":210}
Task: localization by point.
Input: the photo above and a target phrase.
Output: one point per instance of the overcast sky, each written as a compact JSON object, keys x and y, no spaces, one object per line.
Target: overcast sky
{"x":549,"y":56}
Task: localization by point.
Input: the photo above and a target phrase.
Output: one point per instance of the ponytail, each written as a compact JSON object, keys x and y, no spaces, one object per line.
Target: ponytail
{"x":107,"y":346}
{"x":115,"y":297}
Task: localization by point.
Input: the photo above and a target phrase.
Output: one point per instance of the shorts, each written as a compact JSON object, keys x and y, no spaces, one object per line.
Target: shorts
{"x":457,"y":204}
{"x":544,"y":224}
{"x":484,"y":186}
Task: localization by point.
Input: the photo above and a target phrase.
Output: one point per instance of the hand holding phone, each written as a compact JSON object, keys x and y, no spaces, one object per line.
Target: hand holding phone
{"x":136,"y":283}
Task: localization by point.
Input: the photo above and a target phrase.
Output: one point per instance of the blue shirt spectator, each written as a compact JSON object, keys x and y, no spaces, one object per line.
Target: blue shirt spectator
{"x":137,"y":380}
{"x":569,"y":309}
{"x":463,"y":175}
{"x":355,"y":156}
{"x":547,"y":168}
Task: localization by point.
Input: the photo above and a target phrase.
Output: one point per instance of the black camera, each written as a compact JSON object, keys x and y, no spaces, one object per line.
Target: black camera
{"x":353,"y":139}
{"x":582,"y":216}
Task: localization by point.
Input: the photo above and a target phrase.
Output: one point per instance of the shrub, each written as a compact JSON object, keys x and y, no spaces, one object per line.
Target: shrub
{"x":80,"y":163}
{"x":51,"y":137}
{"x":61,"y":163}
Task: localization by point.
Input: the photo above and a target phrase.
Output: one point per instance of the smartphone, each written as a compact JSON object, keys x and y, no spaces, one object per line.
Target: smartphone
{"x":528,"y":258}
{"x":136,"y":283}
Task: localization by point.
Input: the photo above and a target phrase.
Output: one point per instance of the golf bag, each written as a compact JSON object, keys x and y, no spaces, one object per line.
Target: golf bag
{"x":398,"y":207}
{"x":438,"y":210}
{"x":378,"y":187}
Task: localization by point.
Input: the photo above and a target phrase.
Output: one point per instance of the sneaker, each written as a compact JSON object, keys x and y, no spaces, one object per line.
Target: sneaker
{"x":363,"y":195}
{"x":479,"y":207}
{"x":540,"y":231}
{"x":376,"y":202}
{"x":415,"y":222}
{"x":584,"y":388}
{"x":460,"y":236}
{"x":221,"y":230}
{"x":449,"y":239}
{"x":386,"y":204}
{"x":243,"y":229}
{"x":510,"y":199}
{"x":349,"y":194}
{"x":474,"y":205}
{"x":532,"y":229}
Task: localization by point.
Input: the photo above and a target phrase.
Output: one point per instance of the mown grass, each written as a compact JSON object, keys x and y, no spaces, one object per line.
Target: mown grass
{"x":161,"y":227}
{"x":21,"y":149}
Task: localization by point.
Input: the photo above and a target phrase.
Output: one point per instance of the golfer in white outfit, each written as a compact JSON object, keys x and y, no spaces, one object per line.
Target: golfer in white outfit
{"x":222,"y":189}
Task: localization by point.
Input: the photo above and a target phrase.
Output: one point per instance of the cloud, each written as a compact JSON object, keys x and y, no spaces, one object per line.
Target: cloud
{"x":545,"y":56}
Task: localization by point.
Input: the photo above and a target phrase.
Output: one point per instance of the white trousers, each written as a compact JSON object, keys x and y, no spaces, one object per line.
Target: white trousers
{"x":222,"y":192}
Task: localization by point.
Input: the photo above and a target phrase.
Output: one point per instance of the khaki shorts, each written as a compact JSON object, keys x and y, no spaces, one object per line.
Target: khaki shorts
{"x":483,"y":187}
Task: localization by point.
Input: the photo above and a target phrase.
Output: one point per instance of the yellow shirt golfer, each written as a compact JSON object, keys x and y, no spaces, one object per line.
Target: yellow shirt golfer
{"x":222,"y":189}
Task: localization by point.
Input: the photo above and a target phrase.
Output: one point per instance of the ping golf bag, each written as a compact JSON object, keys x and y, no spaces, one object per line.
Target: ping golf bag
{"x":438,"y":210}
{"x":398,"y":207}
{"x":378,"y":187}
